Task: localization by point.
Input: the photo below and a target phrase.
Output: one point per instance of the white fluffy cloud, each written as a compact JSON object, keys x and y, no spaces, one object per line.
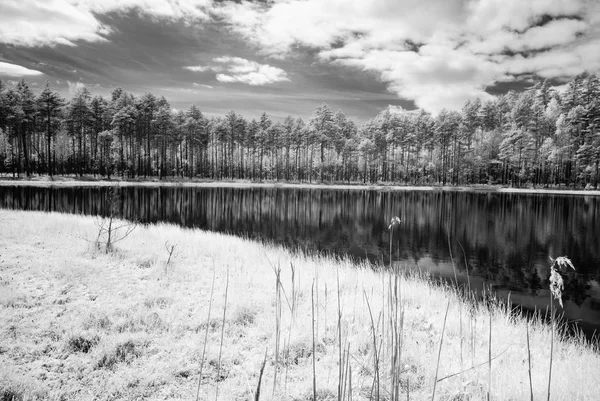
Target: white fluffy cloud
{"x":63,"y":22}
{"x":35,"y":23}
{"x":237,"y":69}
{"x":438,"y":54}
{"x":16,"y":71}
{"x":197,"y":68}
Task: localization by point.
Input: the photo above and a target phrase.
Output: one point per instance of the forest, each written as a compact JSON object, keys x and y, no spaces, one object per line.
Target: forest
{"x":540,"y":137}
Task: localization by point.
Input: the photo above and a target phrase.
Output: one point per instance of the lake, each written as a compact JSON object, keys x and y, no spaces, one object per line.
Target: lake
{"x":503,"y":240}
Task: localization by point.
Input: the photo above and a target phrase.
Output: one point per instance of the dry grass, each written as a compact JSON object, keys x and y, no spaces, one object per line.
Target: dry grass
{"x":80,"y":325}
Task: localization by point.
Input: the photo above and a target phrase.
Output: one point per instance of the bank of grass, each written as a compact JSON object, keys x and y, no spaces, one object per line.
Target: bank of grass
{"x":78,"y":324}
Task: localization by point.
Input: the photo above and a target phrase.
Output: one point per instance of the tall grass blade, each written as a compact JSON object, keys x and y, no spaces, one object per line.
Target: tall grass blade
{"x":451,"y":257}
{"x":375,"y":352}
{"x":437,"y":367}
{"x":314,"y":365}
{"x":260,"y":376}
{"x":278,"y":285}
{"x":551,"y":346}
{"x":556,"y":289}
{"x":222,"y":335}
{"x":466,"y":266}
{"x":489,"y":394}
{"x":212,"y":288}
{"x":341,"y":367}
{"x":529,"y":363}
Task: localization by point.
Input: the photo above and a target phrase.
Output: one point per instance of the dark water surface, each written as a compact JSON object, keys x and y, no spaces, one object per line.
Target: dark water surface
{"x":504,"y":238}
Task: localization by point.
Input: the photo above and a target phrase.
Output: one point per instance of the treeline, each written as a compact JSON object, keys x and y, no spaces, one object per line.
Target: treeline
{"x":538,"y":136}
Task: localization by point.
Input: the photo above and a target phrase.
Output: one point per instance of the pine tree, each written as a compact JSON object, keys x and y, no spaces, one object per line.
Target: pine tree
{"x":50,"y":105}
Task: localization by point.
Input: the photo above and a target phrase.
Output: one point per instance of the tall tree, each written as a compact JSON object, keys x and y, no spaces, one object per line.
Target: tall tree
{"x":323,"y":127}
{"x":50,"y":104}
{"x":79,"y":117}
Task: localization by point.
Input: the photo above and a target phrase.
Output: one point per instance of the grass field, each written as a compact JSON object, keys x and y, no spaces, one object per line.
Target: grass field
{"x":77,"y":323}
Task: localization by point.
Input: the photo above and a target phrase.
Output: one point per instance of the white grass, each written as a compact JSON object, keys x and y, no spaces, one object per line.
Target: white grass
{"x":56,"y":292}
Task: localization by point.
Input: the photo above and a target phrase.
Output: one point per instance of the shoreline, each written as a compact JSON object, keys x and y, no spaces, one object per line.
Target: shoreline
{"x":131,"y":324}
{"x":95,"y":182}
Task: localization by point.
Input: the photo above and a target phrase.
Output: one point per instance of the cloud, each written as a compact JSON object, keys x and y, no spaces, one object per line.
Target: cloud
{"x":438,"y":54}
{"x":203,"y":85}
{"x":74,"y":87}
{"x":36,"y":23}
{"x":237,"y":69}
{"x":437,"y":77}
{"x":176,"y":10}
{"x":33,"y":23}
{"x":197,"y":68}
{"x":14,"y":71}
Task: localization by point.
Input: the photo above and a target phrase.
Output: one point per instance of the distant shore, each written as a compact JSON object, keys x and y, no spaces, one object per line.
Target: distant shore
{"x":63,"y":181}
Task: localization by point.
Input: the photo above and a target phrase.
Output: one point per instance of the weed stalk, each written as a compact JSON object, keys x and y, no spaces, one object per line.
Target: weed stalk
{"x":212,"y":288}
{"x":222,"y":335}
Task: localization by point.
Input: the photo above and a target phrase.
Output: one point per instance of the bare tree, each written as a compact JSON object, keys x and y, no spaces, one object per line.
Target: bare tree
{"x":110,"y":229}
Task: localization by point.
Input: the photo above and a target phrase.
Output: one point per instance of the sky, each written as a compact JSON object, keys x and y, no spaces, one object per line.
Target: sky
{"x":286,"y":57}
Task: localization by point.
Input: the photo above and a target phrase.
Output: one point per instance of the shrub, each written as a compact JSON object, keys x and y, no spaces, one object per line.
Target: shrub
{"x":97,"y":321}
{"x":244,"y":316}
{"x":80,"y":343}
{"x":125,"y":351}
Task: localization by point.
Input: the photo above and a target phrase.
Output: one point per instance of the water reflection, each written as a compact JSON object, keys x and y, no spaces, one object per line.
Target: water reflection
{"x":504,"y":238}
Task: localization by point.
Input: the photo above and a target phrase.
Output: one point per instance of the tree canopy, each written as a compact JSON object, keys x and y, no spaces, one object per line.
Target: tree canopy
{"x":536,"y":137}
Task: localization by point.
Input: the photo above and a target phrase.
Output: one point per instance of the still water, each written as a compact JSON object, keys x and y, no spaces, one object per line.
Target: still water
{"x":503,"y":239}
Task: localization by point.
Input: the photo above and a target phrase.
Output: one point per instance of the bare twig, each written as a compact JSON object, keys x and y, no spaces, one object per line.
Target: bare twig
{"x":473,"y":367}
{"x":170,"y":252}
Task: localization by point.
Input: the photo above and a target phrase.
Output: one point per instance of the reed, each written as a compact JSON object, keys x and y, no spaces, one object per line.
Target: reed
{"x":278,"y":285}
{"x":529,"y":363}
{"x":466,"y":269}
{"x":396,"y":325}
{"x":437,"y":366}
{"x":212,"y":289}
{"x":260,"y":376}
{"x":376,"y":381}
{"x":339,"y":330}
{"x":489,"y":393}
{"x":452,"y":258}
{"x":292,"y":322}
{"x":394,"y":222}
{"x":559,"y":264}
{"x":314,"y":348}
{"x":222,"y":335}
